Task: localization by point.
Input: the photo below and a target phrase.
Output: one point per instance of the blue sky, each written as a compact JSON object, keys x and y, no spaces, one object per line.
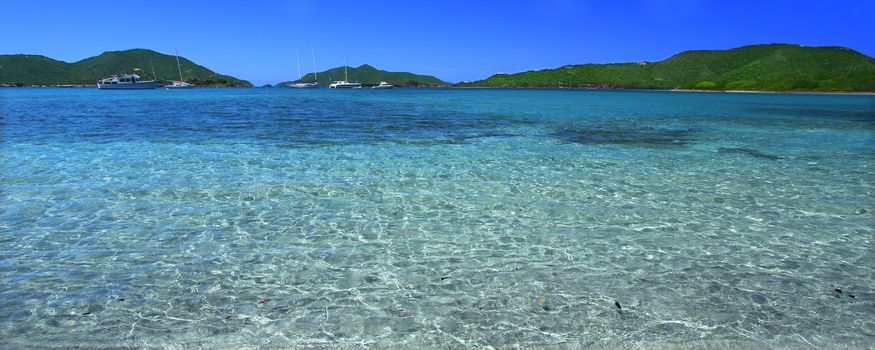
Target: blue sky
{"x":453,"y":40}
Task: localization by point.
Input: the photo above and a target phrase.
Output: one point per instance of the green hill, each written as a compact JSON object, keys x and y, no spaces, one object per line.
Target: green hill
{"x":32,"y":69}
{"x":41,"y":70}
{"x":369,"y":75}
{"x":775,"y":67}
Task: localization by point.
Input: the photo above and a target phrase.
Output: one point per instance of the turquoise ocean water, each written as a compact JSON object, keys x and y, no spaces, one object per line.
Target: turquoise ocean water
{"x":439,"y":218}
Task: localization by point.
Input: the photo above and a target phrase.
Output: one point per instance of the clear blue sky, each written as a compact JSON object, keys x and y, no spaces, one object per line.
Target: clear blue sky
{"x":453,"y":40}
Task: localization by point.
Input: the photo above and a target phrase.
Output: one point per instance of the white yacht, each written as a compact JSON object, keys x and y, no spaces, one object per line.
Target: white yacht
{"x":383,"y":85}
{"x":345,"y":84}
{"x":179,"y":84}
{"x":126,"y":82}
{"x":302,"y":85}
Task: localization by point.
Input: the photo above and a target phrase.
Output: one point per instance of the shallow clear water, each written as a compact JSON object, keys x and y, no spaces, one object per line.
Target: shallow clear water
{"x":228,"y":218}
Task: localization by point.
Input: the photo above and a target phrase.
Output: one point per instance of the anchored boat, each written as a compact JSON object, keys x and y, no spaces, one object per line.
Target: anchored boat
{"x":345,"y":84}
{"x":302,"y":85}
{"x":383,"y":85}
{"x":126,"y":82}
{"x":179,"y":84}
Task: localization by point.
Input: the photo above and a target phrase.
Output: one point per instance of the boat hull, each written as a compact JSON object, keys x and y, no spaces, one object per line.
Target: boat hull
{"x":179,"y":84}
{"x":383,"y":85}
{"x":345,"y":86}
{"x":140,"y":85}
{"x":304,"y":86}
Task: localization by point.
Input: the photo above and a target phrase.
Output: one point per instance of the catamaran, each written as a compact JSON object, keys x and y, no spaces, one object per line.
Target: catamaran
{"x":345,"y":84}
{"x":126,"y":82}
{"x":179,"y":84}
{"x":302,"y":85}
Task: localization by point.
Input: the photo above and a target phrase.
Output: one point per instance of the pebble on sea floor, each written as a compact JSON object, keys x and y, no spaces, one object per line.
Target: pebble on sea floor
{"x":617,"y":304}
{"x":838,"y":293}
{"x":544,"y":304}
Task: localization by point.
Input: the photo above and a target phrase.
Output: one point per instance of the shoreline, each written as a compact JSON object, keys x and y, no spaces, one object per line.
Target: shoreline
{"x":781,"y":92}
{"x":864,"y":93}
{"x":675,"y":90}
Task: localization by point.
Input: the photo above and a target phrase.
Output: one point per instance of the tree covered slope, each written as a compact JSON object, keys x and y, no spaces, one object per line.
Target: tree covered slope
{"x":368,"y":75}
{"x":775,"y":67}
{"x":35,"y":69}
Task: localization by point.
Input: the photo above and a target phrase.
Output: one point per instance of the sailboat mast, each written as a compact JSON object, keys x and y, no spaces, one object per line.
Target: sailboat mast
{"x":178,"y":66}
{"x":154,"y":76}
{"x":298,"y":59}
{"x":345,"y":74}
{"x":313,"y":54}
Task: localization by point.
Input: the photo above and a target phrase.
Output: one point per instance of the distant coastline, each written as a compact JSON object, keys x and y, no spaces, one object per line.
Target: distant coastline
{"x":794,"y":92}
{"x":38,"y":70}
{"x":771,"y":67}
{"x":801,"y":92}
{"x":814,"y":92}
{"x":783,"y":68}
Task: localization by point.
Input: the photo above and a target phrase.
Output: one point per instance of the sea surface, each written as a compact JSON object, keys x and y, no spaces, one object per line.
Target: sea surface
{"x":435,"y":218}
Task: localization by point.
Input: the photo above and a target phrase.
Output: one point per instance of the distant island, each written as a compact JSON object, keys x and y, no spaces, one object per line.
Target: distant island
{"x":368,"y":75}
{"x":23,"y":70}
{"x":774,"y":67}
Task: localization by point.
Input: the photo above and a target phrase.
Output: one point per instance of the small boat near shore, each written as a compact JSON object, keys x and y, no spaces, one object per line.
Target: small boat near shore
{"x":345,"y":83}
{"x":302,"y":85}
{"x":312,"y":85}
{"x":126,"y":82}
{"x":383,"y":85}
{"x":176,"y":84}
{"x":179,"y":84}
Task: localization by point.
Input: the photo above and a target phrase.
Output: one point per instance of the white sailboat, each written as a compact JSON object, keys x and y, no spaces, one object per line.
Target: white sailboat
{"x":302,"y":85}
{"x":179,"y":84}
{"x":345,"y":84}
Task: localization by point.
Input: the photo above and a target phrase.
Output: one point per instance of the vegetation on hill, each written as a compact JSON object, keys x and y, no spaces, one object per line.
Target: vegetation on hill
{"x":775,"y":67}
{"x":369,"y":75}
{"x":41,"y":70}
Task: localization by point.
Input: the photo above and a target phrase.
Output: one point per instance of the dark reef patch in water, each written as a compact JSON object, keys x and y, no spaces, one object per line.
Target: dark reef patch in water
{"x":748,"y":152}
{"x":798,"y":118}
{"x":453,"y":141}
{"x":643,"y":137}
{"x":859,"y":114}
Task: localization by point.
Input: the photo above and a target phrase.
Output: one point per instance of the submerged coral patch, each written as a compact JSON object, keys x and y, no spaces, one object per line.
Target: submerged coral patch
{"x":749,"y":152}
{"x":641,"y":137}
